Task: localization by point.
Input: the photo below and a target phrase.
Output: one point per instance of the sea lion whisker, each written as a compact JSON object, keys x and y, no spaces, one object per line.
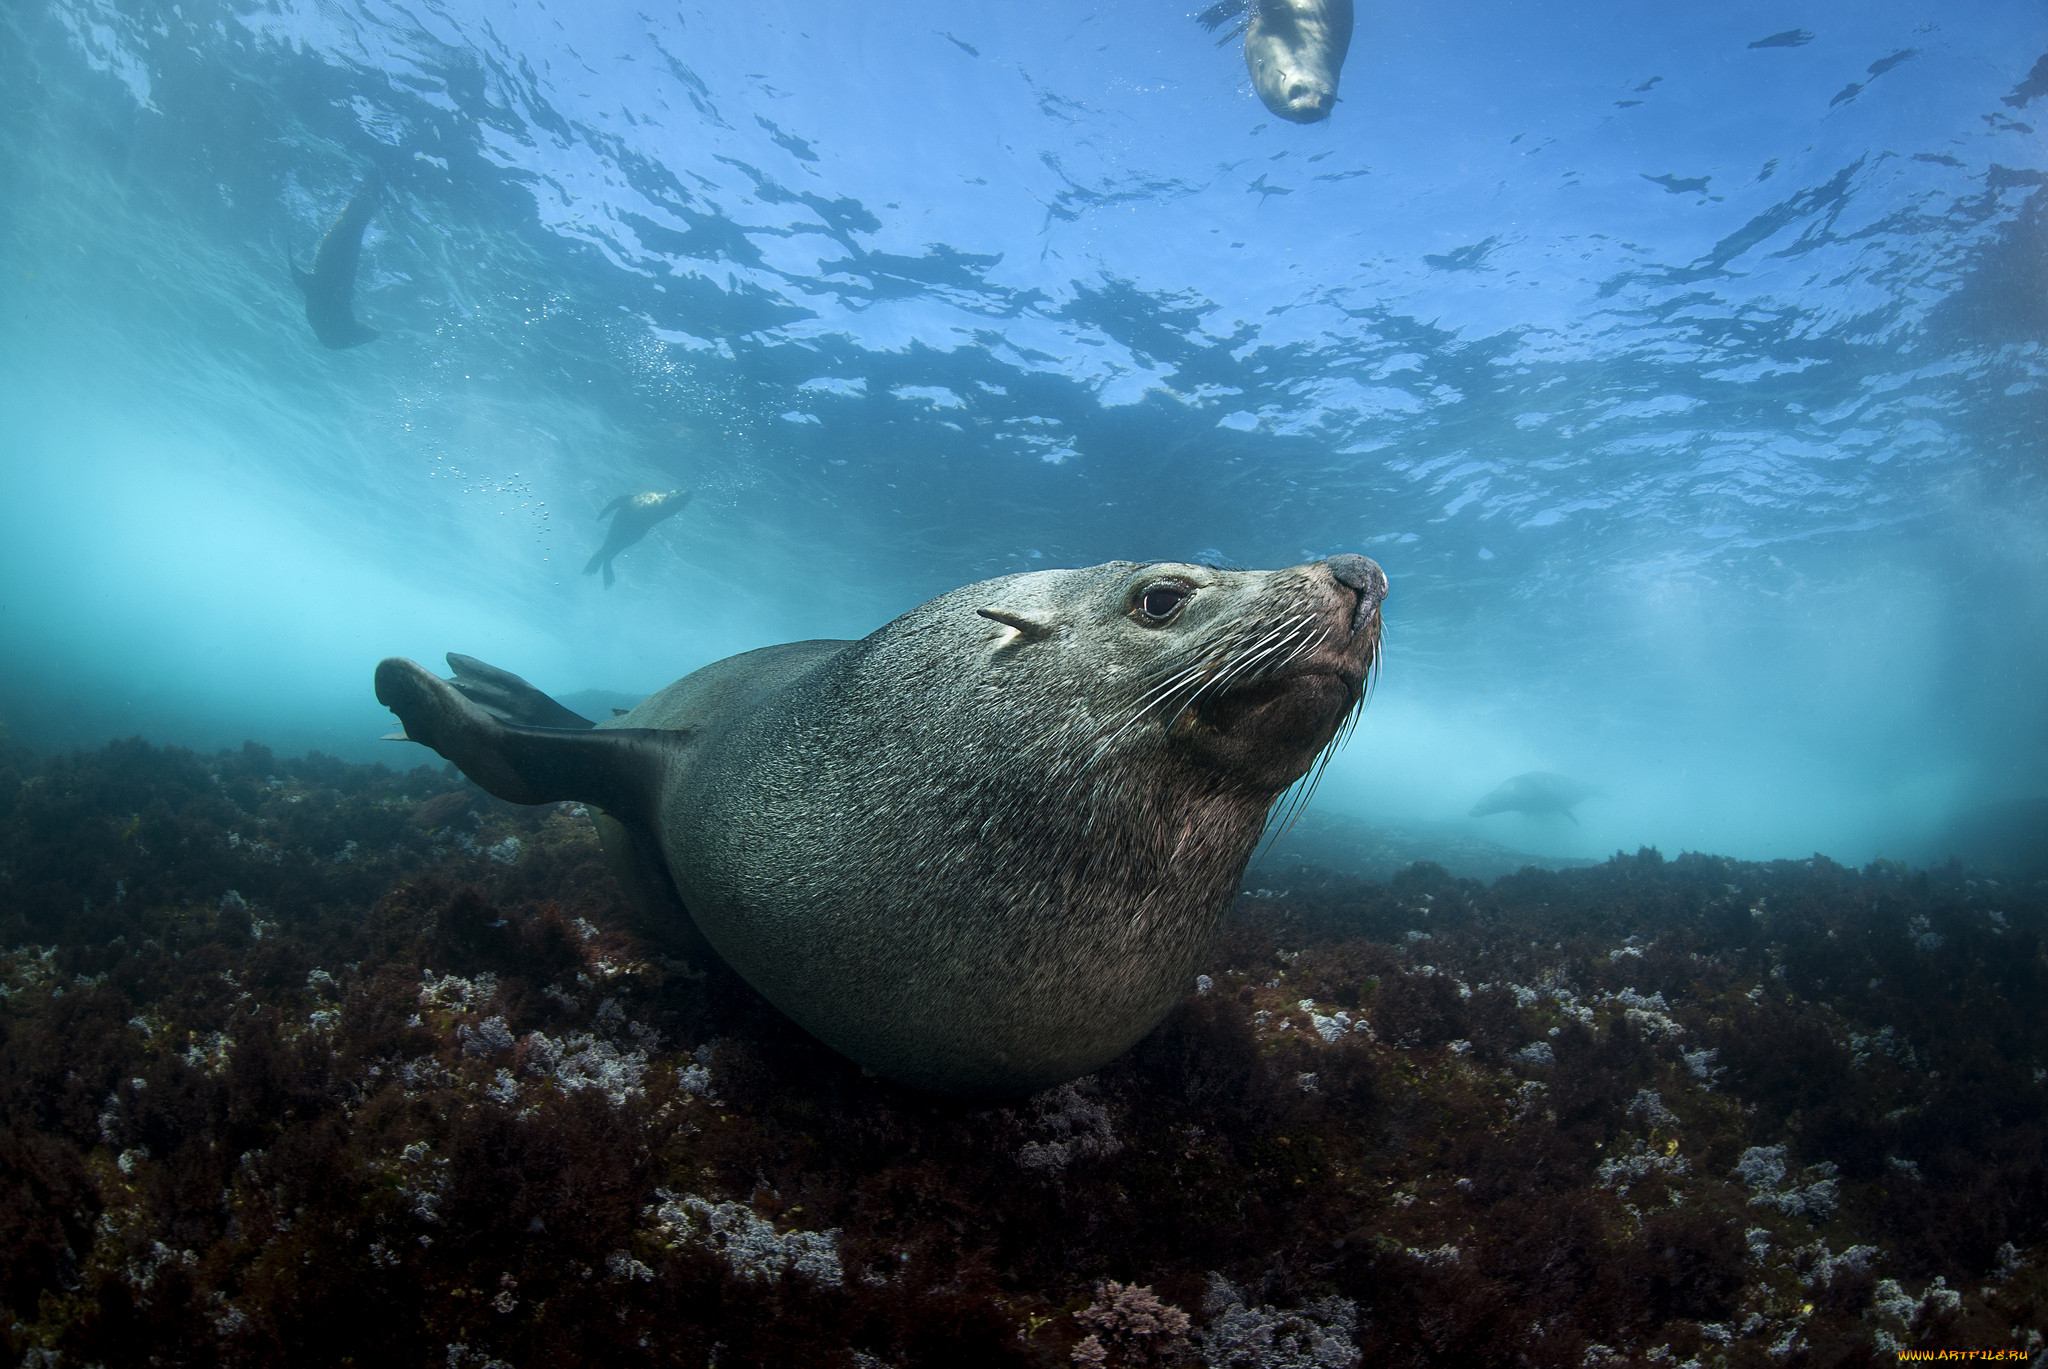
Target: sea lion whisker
{"x":1250,"y":664}
{"x":1350,"y":723}
{"x":1227,"y":642}
{"x":1217,"y":645}
{"x":1152,"y":700}
{"x":1293,"y":804}
{"x":1306,"y":647}
{"x":1166,"y":690}
{"x":1296,"y":800}
{"x":1254,"y":646}
{"x":1191,"y":681}
{"x":1278,"y":820}
{"x":1163,"y":684}
{"x":1210,"y":656}
{"x":1306,"y":791}
{"x":1220,"y":667}
{"x":1247,"y":667}
{"x":1216,"y":681}
{"x":1188,"y":676}
{"x":1215,"y":685}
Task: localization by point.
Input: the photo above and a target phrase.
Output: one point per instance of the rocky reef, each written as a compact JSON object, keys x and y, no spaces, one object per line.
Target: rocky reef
{"x":310,"y":1063}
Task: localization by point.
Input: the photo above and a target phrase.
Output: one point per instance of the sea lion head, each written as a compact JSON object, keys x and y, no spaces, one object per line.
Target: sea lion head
{"x":1247,"y":674}
{"x":1294,"y":50}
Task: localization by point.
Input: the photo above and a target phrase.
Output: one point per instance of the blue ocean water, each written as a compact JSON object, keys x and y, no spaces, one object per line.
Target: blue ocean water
{"x":1682,"y":366}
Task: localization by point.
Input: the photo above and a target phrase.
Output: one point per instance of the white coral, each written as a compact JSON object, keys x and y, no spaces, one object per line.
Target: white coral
{"x":583,"y":1061}
{"x":1073,"y":1127}
{"x":1318,"y":1335}
{"x":749,"y":1243}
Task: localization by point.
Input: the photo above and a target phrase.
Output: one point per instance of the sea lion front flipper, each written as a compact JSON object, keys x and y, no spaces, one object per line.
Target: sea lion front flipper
{"x":618,"y":769}
{"x":1229,"y":15}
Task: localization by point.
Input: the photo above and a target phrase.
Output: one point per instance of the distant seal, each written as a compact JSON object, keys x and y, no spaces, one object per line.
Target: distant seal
{"x":1294,"y":50}
{"x":984,"y":849}
{"x":1539,"y":793}
{"x":330,"y":285}
{"x":632,"y":515}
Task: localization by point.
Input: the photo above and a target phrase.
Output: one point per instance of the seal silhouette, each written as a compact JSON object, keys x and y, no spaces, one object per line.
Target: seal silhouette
{"x":633,"y":516}
{"x":984,"y":849}
{"x":330,"y":286}
{"x":1539,"y":793}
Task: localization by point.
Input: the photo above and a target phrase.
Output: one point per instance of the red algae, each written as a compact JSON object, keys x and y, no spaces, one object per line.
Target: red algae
{"x":304,"y":1062}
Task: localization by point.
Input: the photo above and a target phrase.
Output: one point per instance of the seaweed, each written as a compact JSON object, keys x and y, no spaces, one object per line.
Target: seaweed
{"x":285,"y":1039}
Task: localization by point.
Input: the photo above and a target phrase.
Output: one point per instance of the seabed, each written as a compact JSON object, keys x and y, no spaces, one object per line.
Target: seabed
{"x":320,"y":1063}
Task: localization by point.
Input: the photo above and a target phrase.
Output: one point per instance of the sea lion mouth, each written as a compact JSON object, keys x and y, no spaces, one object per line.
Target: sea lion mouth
{"x":1303,"y":706}
{"x":1305,"y":106}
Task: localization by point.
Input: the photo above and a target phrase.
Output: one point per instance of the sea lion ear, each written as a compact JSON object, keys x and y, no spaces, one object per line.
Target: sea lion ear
{"x":1030,"y":629}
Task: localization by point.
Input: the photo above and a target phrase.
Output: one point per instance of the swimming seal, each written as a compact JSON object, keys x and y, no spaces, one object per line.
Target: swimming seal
{"x":331,"y":283}
{"x":1538,"y":793}
{"x":632,"y":515}
{"x":1294,"y":50}
{"x":984,"y":849}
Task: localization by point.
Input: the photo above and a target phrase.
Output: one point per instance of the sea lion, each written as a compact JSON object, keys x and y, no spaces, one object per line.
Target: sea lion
{"x":1294,"y":50}
{"x":332,"y":281}
{"x":632,"y":516}
{"x":984,"y":849}
{"x":1538,"y":793}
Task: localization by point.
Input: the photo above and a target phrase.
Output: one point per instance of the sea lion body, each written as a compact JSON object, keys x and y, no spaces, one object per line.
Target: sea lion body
{"x":633,"y":516}
{"x":1539,"y":793}
{"x":984,"y":849}
{"x":330,"y":286}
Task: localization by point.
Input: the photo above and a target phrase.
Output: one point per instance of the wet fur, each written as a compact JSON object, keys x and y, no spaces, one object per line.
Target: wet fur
{"x":1294,"y":50}
{"x":977,"y":859}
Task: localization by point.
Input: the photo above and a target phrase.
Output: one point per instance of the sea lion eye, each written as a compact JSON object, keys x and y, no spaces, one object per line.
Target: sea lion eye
{"x":1159,"y":602}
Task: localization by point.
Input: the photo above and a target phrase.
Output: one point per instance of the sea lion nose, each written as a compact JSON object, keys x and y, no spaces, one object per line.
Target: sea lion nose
{"x":1307,"y":97}
{"x":1364,"y":577}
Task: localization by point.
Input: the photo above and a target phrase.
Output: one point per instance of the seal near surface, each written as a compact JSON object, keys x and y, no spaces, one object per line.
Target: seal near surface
{"x":984,"y":849}
{"x":330,"y":285}
{"x":1539,"y":793}
{"x":632,"y":515}
{"x":1294,"y":50}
